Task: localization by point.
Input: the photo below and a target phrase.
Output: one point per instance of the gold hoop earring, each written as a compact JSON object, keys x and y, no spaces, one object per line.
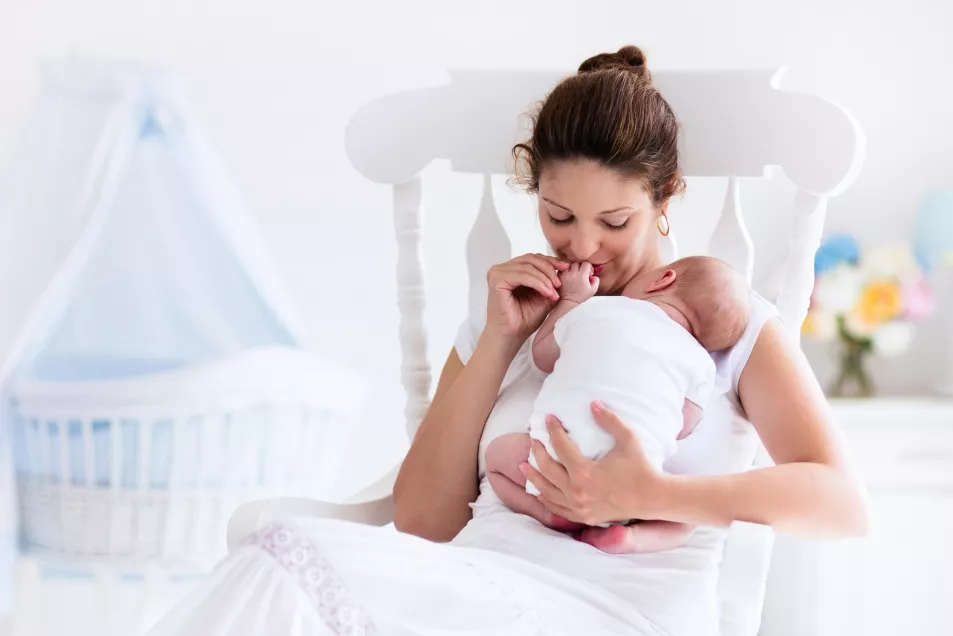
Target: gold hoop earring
{"x":664,"y":227}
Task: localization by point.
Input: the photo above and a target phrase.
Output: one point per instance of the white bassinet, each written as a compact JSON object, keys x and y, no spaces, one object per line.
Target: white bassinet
{"x":152,"y":369}
{"x":148,"y":469}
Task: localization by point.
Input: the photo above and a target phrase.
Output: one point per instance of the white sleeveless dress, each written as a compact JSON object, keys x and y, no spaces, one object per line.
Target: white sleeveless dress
{"x":504,"y":574}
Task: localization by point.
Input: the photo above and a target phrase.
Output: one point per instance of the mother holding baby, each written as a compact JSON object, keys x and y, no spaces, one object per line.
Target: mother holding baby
{"x":603,"y":160}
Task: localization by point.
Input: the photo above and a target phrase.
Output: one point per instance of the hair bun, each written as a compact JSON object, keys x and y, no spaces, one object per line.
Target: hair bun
{"x":629,"y":58}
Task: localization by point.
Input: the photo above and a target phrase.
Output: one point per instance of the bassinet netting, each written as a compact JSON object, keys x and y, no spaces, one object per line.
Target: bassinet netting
{"x":135,"y":246}
{"x":150,"y":359}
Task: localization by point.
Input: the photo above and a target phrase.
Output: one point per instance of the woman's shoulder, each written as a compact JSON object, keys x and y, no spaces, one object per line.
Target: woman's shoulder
{"x":472,"y":326}
{"x":731,"y":362}
{"x":761,"y":309}
{"x":724,"y":426}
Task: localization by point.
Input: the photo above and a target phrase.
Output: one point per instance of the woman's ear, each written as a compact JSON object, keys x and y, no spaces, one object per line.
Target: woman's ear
{"x":662,"y":282}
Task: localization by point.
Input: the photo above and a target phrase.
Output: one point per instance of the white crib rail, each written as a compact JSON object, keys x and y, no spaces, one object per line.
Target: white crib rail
{"x":148,"y":470}
{"x":147,"y":486}
{"x":730,"y":241}
{"x":414,"y":369}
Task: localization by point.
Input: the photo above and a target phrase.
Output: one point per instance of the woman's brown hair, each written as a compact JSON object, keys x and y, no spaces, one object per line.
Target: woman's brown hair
{"x":611,"y":113}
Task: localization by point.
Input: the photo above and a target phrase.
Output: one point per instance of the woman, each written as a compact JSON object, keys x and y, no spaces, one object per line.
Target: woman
{"x":603,"y":159}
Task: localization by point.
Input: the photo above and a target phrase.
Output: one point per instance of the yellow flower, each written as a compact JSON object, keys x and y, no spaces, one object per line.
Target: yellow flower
{"x":819,"y":325}
{"x":879,"y":301}
{"x":809,"y":326}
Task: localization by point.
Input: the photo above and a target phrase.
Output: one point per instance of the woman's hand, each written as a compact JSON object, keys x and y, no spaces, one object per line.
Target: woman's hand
{"x":619,"y":487}
{"x":521,"y":292}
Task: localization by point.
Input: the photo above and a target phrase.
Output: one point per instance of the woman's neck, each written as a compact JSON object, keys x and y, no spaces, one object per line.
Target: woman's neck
{"x":647,"y":265}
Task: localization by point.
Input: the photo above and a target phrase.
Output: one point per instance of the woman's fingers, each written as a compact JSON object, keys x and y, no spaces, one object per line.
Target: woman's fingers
{"x":611,"y":423}
{"x":557,"y":509}
{"x":512,"y":279}
{"x":518,"y":272}
{"x":531,"y":270}
{"x":553,"y":470}
{"x":555,"y":261}
{"x":549,"y":265}
{"x":543,"y":485}
{"x":565,"y":448}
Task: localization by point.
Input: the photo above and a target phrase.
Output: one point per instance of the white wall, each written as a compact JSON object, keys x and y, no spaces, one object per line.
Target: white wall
{"x":276,"y":81}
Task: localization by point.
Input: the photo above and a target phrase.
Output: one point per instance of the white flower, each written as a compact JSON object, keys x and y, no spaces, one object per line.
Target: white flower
{"x":858,"y":328}
{"x":892,"y":339}
{"x":837,"y":290}
{"x":891,"y":262}
{"x":821,"y":325}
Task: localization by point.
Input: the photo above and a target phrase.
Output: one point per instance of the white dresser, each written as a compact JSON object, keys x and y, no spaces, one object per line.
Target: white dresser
{"x":898,"y":580}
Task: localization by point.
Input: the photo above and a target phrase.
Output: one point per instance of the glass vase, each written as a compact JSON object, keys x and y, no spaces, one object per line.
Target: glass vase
{"x":852,"y":379}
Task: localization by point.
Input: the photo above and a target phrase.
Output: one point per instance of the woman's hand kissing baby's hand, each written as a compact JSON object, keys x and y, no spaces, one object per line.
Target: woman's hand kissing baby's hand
{"x":578,"y":283}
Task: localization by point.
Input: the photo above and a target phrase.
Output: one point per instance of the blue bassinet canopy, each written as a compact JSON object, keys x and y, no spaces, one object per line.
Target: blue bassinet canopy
{"x":129,"y":246}
{"x":125,"y":247}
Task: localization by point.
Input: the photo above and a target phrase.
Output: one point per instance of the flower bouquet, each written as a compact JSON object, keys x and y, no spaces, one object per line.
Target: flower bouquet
{"x":867,"y":305}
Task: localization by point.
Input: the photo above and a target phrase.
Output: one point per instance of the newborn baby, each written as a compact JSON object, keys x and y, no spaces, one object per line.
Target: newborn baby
{"x":645,"y":354}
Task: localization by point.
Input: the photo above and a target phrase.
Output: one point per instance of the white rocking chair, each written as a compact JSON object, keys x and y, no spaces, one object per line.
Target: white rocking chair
{"x":735,"y":125}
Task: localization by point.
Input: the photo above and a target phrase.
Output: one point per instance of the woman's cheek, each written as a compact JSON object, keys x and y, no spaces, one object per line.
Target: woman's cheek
{"x":557,"y":241}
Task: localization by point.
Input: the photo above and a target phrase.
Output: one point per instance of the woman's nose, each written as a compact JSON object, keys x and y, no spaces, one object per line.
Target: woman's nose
{"x":584,"y":246}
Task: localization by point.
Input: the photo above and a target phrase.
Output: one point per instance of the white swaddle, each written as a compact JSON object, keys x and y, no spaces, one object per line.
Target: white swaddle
{"x":632,"y":356}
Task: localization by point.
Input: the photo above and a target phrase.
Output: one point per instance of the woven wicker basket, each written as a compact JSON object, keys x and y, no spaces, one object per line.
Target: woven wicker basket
{"x":149,"y":469}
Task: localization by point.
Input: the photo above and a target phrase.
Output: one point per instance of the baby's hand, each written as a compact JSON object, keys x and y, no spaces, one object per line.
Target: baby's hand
{"x":578,"y":283}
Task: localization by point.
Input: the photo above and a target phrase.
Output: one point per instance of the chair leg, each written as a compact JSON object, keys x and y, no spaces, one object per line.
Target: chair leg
{"x":24,"y":619}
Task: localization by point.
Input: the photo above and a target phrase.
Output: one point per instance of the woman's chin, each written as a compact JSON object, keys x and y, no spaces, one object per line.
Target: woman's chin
{"x":608,"y":286}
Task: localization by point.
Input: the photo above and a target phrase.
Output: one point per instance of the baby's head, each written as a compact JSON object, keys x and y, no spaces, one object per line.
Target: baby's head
{"x":703,"y":294}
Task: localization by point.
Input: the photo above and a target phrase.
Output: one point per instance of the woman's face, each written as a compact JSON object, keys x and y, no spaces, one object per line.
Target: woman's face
{"x":591,"y":213}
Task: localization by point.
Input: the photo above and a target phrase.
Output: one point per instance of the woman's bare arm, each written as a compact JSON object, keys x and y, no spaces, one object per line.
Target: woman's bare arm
{"x":811,"y":490}
{"x":438,"y":478}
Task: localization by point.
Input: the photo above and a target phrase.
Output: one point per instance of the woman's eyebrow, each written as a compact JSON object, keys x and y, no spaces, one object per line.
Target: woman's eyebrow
{"x":563,"y":207}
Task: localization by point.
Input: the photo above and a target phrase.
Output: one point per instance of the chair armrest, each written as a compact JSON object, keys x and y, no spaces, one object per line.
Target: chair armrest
{"x":372,"y":506}
{"x":743,"y":577}
{"x":743,"y":572}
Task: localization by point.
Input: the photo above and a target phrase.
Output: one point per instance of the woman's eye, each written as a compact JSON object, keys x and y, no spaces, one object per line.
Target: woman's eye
{"x":616,"y":225}
{"x":556,"y":221}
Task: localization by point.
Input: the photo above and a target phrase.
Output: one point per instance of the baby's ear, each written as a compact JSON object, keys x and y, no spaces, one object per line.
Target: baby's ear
{"x":662,"y":282}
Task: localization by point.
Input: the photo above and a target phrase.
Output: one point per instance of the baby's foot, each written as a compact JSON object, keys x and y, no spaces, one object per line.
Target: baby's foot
{"x":612,"y":540}
{"x":637,"y":538}
{"x":561,"y":524}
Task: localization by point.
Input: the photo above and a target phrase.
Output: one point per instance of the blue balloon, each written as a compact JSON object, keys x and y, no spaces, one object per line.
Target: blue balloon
{"x":933,"y":234}
{"x":835,"y":250}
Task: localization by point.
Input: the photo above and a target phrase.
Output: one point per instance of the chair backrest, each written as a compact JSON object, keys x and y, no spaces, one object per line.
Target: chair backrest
{"x":735,"y":124}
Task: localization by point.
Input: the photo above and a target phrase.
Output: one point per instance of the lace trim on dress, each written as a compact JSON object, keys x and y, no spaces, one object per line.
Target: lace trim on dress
{"x":313,"y":573}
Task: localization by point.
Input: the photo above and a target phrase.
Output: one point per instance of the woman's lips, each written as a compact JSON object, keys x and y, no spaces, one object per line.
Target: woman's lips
{"x":596,"y":269}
